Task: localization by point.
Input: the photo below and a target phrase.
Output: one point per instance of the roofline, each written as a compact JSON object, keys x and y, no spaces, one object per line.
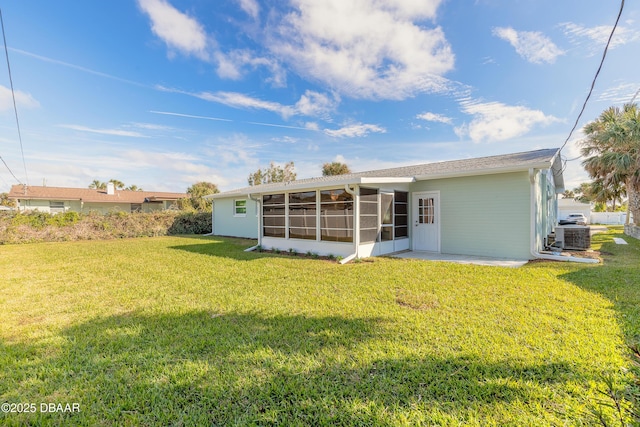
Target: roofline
{"x":485,"y":171}
{"x":309,"y":185}
{"x":555,"y":164}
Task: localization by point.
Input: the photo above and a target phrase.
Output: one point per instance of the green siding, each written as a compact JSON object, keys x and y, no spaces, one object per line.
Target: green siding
{"x":486,"y":215}
{"x":226,"y":224}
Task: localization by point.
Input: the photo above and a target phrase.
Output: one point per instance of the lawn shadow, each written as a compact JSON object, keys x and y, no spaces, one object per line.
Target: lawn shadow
{"x":235,"y":249}
{"x":209,"y":368}
{"x":618,"y":280}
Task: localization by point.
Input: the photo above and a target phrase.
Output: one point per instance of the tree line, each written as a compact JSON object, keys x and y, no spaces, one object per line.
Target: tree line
{"x":612,"y":158}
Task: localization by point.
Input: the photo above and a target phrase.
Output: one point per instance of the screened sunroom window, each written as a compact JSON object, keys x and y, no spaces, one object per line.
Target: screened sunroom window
{"x":368,"y":215}
{"x":401,"y":214}
{"x":336,"y":216}
{"x":273,"y":215}
{"x":302,"y":215}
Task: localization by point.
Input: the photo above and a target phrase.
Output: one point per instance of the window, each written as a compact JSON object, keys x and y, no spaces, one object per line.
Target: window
{"x":56,"y":207}
{"x":368,"y":215}
{"x":426,"y":211}
{"x":400,"y":210}
{"x":302,"y":215}
{"x":136,"y":207}
{"x":240,"y":207}
{"x":336,"y":216}
{"x":273,"y":215}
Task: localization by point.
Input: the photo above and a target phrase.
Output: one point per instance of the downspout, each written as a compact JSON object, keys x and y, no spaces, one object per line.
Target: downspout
{"x":258,"y":201}
{"x":356,"y":234}
{"x":532,"y":237}
{"x":213,"y":222}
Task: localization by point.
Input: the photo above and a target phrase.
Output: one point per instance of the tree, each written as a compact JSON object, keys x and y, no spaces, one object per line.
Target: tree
{"x":6,"y":201}
{"x":335,"y":168}
{"x":612,"y":153}
{"x":274,"y":173}
{"x":117,"y":184}
{"x":196,"y":193}
{"x":133,"y":187}
{"x":96,"y":184}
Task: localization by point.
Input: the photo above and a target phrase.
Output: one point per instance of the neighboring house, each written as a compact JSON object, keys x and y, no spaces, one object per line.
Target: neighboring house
{"x":63,"y":199}
{"x":567,"y":207}
{"x":500,"y":206}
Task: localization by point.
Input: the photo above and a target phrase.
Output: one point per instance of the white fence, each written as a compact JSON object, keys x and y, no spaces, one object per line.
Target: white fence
{"x":610,"y":218}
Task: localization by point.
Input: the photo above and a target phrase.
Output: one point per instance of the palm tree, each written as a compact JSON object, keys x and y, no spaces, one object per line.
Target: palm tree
{"x":612,"y":151}
{"x":117,"y":184}
{"x":96,"y":184}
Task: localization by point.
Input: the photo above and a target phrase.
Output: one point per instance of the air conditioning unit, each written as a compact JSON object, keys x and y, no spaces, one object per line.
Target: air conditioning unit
{"x":573,"y":237}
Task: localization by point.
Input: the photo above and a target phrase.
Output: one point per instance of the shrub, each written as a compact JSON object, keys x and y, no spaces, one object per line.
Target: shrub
{"x":19,"y":227}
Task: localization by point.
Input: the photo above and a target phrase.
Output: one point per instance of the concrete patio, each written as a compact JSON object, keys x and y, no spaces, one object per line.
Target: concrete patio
{"x":461,"y":259}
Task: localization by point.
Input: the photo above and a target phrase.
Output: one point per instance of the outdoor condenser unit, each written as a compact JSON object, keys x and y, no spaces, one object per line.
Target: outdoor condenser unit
{"x":576,"y":237}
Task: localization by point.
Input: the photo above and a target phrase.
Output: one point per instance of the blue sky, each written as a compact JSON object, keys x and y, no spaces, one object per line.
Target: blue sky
{"x":166,"y":93}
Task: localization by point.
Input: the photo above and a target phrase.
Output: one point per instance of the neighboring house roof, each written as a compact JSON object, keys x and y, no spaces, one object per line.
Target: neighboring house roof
{"x":538,"y":159}
{"x":88,"y":195}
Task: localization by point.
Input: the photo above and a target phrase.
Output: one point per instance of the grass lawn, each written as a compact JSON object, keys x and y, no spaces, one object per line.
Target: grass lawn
{"x":194,"y":331}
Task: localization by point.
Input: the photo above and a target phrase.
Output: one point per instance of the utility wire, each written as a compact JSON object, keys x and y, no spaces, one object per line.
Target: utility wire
{"x":593,"y":83}
{"x":15,"y":108}
{"x":634,"y":96}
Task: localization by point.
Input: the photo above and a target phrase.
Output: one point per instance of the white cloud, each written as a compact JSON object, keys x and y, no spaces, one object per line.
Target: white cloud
{"x":239,"y":100}
{"x":533,"y":46}
{"x":231,"y":65}
{"x":178,"y":30}
{"x":620,"y":94}
{"x":354,"y":131}
{"x":596,"y":37}
{"x":495,"y":121}
{"x":114,"y":132}
{"x":23,"y":99}
{"x":310,"y":103}
{"x":433,"y":117}
{"x":365,"y":48}
{"x":251,"y":7}
{"x":317,"y":104}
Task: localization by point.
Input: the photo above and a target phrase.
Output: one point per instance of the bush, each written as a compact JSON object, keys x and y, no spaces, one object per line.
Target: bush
{"x":18,"y":227}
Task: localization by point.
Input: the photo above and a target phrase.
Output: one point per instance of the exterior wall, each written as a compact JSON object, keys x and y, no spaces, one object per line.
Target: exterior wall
{"x":486,"y":215}
{"x":546,"y":207}
{"x":77,"y":206}
{"x":303,"y":246}
{"x":225,"y":223}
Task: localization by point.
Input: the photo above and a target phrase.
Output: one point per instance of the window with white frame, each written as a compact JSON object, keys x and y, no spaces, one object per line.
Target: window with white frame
{"x":336,"y":215}
{"x":302,"y":215}
{"x":273,"y":215}
{"x":240,"y":207}
{"x":369,"y":223}
{"x":56,"y":207}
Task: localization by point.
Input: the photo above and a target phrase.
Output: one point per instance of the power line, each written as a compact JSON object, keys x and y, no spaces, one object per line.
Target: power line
{"x":15,"y":108}
{"x":634,"y":96}
{"x":593,"y":83}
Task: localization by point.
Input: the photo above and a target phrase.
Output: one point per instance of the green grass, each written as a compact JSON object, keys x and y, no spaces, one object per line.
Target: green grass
{"x":194,"y":331}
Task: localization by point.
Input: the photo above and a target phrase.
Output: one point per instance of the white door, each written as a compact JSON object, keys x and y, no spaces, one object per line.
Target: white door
{"x":426,"y":221}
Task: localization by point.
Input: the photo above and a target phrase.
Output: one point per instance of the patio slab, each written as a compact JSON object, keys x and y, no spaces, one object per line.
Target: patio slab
{"x":461,"y":259}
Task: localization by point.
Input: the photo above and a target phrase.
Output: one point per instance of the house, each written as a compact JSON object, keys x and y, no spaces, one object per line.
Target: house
{"x":63,"y":199}
{"x":567,"y":207}
{"x":500,"y":206}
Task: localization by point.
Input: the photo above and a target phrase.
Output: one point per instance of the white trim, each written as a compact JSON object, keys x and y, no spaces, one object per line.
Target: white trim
{"x":235,"y":208}
{"x":420,"y":194}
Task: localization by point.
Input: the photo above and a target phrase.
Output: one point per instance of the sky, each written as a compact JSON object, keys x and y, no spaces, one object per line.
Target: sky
{"x":166,"y":93}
